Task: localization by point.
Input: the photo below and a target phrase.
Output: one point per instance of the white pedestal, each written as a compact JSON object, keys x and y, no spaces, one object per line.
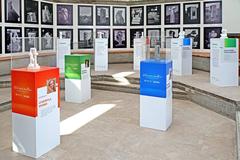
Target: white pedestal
{"x":139,"y":52}
{"x":101,"y":54}
{"x":223,"y":63}
{"x":181,"y":55}
{"x":63,"y":48}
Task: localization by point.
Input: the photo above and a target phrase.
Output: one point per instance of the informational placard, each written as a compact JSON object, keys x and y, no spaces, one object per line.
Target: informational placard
{"x":139,"y":52}
{"x":63,"y":48}
{"x":101,"y":54}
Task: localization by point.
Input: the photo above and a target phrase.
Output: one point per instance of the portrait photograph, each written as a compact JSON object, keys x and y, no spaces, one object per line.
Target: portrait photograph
{"x":213,"y":12}
{"x":191,"y":12}
{"x":135,"y":33}
{"x":119,"y":16}
{"x":85,"y":15}
{"x":51,"y":85}
{"x":102,"y":15}
{"x":172,"y":14}
{"x":85,"y":38}
{"x":64,"y":14}
{"x":154,"y":36}
{"x":119,"y":38}
{"x":47,"y":38}
{"x":13,"y":39}
{"x":31,"y":11}
{"x":211,"y":32}
{"x":66,"y":34}
{"x":137,"y":16}
{"x":13,"y":11}
{"x":31,"y":38}
{"x":106,"y":34}
{"x":154,"y":15}
{"x":46,"y":13}
{"x":194,"y":34}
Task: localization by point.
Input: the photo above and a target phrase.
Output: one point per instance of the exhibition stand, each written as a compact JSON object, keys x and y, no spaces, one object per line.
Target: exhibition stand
{"x":77,"y":78}
{"x":35,"y":109}
{"x":181,"y":55}
{"x":139,"y":52}
{"x":101,"y":54}
{"x":63,"y":48}
{"x":156,"y":94}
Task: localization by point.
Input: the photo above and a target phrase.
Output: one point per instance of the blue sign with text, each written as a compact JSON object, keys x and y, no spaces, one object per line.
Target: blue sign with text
{"x":186,"y":41}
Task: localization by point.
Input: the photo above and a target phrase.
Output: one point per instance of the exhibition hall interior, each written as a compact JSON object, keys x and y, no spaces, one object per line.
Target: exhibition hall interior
{"x":119,"y":80}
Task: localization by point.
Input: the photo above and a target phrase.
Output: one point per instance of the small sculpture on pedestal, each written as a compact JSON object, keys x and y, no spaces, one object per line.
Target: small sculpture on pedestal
{"x":224,"y":33}
{"x":182,"y":34}
{"x":33,"y":59}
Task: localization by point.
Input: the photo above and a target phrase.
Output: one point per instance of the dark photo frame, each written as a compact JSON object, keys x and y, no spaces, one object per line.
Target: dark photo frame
{"x":213,"y":12}
{"x":172,"y":14}
{"x":46,"y":13}
{"x":66,"y":33}
{"x":103,"y":15}
{"x":13,"y":12}
{"x":191,"y":13}
{"x":85,"y":38}
{"x":106,"y":34}
{"x":137,"y":16}
{"x":119,"y":16}
{"x":31,"y":38}
{"x":154,"y":15}
{"x":211,"y":32}
{"x":64,"y":15}
{"x":85,"y":15}
{"x":119,"y":38}
{"x":194,"y":34}
{"x":172,"y":32}
{"x":31,"y":11}
{"x":1,"y":40}
{"x":154,"y":34}
{"x":133,"y":34}
{"x":14,"y":45}
{"x":47,"y":38}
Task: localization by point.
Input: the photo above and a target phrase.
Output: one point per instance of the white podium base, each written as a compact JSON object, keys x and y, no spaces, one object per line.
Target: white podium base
{"x":77,"y":91}
{"x":155,"y":112}
{"x":35,"y":136}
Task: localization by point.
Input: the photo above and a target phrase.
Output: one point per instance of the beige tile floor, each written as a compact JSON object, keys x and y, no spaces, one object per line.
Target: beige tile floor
{"x":196,"y":133}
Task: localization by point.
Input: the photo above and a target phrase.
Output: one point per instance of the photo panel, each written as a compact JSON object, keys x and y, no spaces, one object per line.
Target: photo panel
{"x":85,"y":38}
{"x":47,"y":38}
{"x":169,"y":34}
{"x":46,"y":13}
{"x":102,"y":15}
{"x":13,"y":11}
{"x":154,"y":35}
{"x":1,"y":14}
{"x":137,"y":16}
{"x":191,"y":13}
{"x":85,"y":15}
{"x":119,"y":38}
{"x":119,"y":16}
{"x":64,"y":14}
{"x":211,"y":32}
{"x":172,"y":14}
{"x":135,"y":33}
{"x":13,"y":39}
{"x":1,"y":40}
{"x":31,"y":11}
{"x":106,"y":34}
{"x":66,"y":34}
{"x":213,"y":12}
{"x":154,"y":15}
{"x":31,"y":38}
{"x":194,"y":34}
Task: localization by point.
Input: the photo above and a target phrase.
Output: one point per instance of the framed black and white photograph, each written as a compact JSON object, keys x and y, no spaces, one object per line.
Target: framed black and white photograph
{"x":13,"y":39}
{"x":47,"y":38}
{"x":85,"y":38}
{"x":31,"y":11}
{"x":102,"y":15}
{"x":135,"y":33}
{"x":172,"y":14}
{"x":13,"y":11}
{"x":46,"y":13}
{"x":64,"y":14}
{"x":119,"y":16}
{"x":31,"y":38}
{"x":194,"y":34}
{"x":211,"y":32}
{"x":85,"y":15}
{"x":154,"y":36}
{"x":137,"y":16}
{"x":213,"y":12}
{"x":191,"y":12}
{"x":1,"y":15}
{"x":154,"y":15}
{"x":1,"y":40}
{"x":66,"y":34}
{"x":119,"y":38}
{"x":172,"y":32}
{"x":105,"y":34}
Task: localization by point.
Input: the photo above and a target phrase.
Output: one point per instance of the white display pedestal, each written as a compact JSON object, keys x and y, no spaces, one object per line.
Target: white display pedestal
{"x":63,"y":48}
{"x":139,"y":52}
{"x":224,"y":62}
{"x":101,"y":54}
{"x":181,"y":55}
{"x":156,"y":94}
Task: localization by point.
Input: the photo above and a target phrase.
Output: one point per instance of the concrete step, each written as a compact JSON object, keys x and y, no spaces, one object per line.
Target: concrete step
{"x":6,"y":105}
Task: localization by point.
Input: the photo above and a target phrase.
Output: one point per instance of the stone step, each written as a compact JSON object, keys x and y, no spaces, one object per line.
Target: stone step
{"x":6,"y":105}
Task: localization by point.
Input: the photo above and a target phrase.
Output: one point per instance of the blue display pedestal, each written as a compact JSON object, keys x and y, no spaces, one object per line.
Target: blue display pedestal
{"x":156,"y":94}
